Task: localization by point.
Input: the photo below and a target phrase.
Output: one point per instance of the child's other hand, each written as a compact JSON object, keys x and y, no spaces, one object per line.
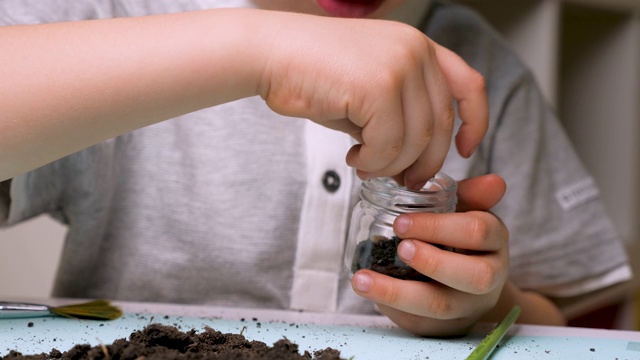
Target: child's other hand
{"x":385,"y":83}
{"x":467,"y":284}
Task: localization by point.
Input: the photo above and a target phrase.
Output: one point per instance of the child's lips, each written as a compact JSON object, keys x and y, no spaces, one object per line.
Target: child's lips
{"x":350,"y":8}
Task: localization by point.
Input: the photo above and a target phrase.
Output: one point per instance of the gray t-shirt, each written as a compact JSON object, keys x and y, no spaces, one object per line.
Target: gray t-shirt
{"x":227,"y":205}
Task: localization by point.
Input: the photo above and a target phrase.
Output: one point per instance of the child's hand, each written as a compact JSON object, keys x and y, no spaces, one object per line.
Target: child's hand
{"x":467,"y":284}
{"x":385,"y":83}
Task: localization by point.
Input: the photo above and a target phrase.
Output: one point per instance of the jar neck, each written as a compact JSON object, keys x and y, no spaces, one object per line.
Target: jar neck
{"x":438,"y":195}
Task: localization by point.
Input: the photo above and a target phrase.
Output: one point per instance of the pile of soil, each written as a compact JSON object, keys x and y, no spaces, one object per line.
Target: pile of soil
{"x":381,"y":255}
{"x":157,"y":341}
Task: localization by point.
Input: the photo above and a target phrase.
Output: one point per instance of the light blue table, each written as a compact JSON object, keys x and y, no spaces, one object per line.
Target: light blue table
{"x":360,"y":337}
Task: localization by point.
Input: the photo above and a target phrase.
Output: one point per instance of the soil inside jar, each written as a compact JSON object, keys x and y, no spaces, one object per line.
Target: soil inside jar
{"x":158,"y":341}
{"x":381,"y":255}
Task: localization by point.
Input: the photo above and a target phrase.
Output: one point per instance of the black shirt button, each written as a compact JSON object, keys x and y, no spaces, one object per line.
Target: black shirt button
{"x":331,"y":181}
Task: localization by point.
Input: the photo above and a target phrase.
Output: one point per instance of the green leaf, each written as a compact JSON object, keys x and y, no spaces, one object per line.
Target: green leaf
{"x":488,"y":344}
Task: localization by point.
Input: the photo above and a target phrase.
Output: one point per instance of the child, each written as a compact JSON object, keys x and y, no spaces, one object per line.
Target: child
{"x":236,"y":205}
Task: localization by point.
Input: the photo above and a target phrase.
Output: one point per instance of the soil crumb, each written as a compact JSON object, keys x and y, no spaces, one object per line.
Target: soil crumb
{"x":157,"y":341}
{"x":381,"y":255}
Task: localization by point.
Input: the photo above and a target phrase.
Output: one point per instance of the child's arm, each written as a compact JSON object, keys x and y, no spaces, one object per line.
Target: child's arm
{"x":67,"y":86}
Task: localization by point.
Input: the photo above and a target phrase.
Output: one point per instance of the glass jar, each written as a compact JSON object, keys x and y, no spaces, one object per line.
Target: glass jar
{"x":371,"y":243}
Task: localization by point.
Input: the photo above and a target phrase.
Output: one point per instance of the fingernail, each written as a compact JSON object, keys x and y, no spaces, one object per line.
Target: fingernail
{"x":402,"y":224}
{"x":406,"y":250}
{"x":471,"y":152}
{"x":362,"y":282}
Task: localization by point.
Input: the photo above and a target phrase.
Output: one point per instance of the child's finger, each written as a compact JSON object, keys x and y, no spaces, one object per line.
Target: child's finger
{"x":382,"y":140}
{"x":478,"y":275}
{"x":430,"y":161}
{"x":480,"y":193}
{"x":477,"y":231}
{"x":429,"y":299}
{"x":467,"y":86}
{"x":441,"y":119}
{"x":420,"y":130}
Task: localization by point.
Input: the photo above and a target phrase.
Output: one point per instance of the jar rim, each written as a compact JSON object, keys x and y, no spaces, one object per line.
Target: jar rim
{"x":440,"y":182}
{"x":438,"y":193}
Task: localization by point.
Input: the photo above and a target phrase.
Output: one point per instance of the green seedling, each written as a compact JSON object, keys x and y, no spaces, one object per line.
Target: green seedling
{"x":489,"y":343}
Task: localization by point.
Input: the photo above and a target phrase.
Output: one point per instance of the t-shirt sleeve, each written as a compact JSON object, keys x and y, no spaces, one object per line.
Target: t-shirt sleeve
{"x":29,"y":195}
{"x":25,"y":12}
{"x":563,"y":242}
{"x":5,"y":200}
